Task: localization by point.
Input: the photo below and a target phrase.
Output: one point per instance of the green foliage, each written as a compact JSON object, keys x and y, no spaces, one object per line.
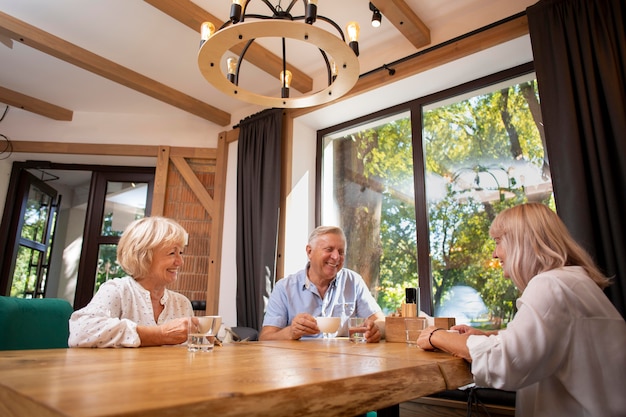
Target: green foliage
{"x":107,"y":255}
{"x":398,"y":264}
{"x":386,"y":152}
{"x":461,"y":251}
{"x":473,"y":133}
{"x":25,"y":273}
{"x":29,"y":264}
{"x":469,"y":147}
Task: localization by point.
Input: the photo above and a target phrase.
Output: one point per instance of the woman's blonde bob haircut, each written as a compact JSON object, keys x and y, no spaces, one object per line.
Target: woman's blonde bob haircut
{"x":138,"y":242}
{"x":536,"y":240}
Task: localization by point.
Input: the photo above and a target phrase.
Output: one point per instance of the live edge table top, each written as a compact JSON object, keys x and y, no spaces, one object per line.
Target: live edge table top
{"x":331,"y":377}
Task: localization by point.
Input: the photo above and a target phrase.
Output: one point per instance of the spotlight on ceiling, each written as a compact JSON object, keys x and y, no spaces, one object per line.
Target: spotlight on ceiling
{"x":376,"y":16}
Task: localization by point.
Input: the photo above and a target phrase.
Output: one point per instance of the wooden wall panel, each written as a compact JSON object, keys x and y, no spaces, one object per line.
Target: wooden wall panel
{"x":190,"y":188}
{"x":181,"y":202}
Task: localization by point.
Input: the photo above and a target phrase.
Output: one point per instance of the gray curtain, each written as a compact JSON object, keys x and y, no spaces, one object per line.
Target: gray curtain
{"x":258,"y":202}
{"x":579,"y":49}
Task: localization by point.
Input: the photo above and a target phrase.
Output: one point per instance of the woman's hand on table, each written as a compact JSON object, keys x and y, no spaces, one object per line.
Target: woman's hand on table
{"x":450,"y":341}
{"x":173,"y":332}
{"x":424,"y":340}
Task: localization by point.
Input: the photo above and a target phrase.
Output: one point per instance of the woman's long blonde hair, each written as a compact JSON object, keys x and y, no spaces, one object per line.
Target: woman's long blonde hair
{"x":536,"y":240}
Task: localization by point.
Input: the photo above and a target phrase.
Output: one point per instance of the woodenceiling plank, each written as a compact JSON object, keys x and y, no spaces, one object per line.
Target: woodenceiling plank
{"x":160,"y":181}
{"x":59,"y":48}
{"x":83,"y":148}
{"x":405,"y":20}
{"x":34,"y":105}
{"x":202,"y":153}
{"x":217,"y":226}
{"x":192,"y":15}
{"x":112,"y":150}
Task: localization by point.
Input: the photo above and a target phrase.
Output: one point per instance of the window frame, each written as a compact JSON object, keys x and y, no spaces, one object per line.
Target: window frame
{"x":415,"y":108}
{"x":93,"y":238}
{"x":12,"y":232}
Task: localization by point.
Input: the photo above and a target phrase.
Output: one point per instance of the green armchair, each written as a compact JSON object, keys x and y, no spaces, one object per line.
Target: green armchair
{"x":39,"y":323}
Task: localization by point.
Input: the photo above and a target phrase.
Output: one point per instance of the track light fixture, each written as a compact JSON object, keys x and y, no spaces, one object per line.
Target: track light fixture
{"x":377,"y":17}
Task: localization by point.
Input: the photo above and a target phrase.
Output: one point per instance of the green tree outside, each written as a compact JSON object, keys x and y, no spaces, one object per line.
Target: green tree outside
{"x":481,"y":138}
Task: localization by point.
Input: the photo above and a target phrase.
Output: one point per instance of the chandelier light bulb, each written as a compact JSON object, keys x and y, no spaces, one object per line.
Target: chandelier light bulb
{"x":285,"y":81}
{"x":353,"y":30}
{"x":206,"y":30}
{"x":311,"y":12}
{"x":236,"y":10}
{"x":231,"y":64}
{"x":285,"y":78}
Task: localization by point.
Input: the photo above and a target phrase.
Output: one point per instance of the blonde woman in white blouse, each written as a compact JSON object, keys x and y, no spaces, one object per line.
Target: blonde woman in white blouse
{"x":563,"y":352}
{"x":138,"y":310}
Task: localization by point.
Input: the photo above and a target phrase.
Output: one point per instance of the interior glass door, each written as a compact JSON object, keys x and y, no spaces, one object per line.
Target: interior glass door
{"x":32,"y":246}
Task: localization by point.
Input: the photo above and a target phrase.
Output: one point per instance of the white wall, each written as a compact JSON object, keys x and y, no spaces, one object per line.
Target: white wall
{"x":300,"y":207}
{"x":228,"y":283}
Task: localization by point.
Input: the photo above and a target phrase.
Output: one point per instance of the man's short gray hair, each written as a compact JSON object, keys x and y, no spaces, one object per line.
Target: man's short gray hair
{"x":325,"y":230}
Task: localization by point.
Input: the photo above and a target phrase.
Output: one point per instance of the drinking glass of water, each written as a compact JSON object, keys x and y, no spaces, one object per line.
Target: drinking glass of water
{"x":202,"y":332}
{"x":357,"y":329}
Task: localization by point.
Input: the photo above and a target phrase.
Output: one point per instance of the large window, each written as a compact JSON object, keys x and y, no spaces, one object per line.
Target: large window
{"x":416,"y":187}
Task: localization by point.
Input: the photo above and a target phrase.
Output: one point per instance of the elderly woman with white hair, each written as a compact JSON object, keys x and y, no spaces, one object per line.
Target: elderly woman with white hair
{"x":138,"y":310}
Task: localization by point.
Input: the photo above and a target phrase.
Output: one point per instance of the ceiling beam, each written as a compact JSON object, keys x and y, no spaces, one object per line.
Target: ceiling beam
{"x":59,"y":48}
{"x":34,"y":105}
{"x":192,"y":15}
{"x":39,"y":147}
{"x":76,"y":148}
{"x":433,"y":57}
{"x":405,"y":20}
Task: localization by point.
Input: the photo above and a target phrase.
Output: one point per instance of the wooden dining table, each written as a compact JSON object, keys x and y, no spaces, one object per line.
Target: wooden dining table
{"x":321,"y":377}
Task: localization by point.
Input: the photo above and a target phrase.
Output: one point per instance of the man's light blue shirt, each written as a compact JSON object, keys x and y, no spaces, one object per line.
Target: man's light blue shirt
{"x":347,"y":296}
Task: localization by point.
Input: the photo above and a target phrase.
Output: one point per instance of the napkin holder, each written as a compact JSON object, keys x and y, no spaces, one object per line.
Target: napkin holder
{"x":395,"y":330}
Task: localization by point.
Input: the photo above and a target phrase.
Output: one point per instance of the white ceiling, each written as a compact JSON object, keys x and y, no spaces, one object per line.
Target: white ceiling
{"x":140,"y":37}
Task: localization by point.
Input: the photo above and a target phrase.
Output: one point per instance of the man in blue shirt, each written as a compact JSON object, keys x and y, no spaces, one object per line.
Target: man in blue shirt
{"x":322,"y":288}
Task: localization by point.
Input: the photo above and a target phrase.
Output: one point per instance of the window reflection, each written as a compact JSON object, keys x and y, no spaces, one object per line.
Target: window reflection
{"x":484,"y":153}
{"x":125,"y":202}
{"x":480,"y":153}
